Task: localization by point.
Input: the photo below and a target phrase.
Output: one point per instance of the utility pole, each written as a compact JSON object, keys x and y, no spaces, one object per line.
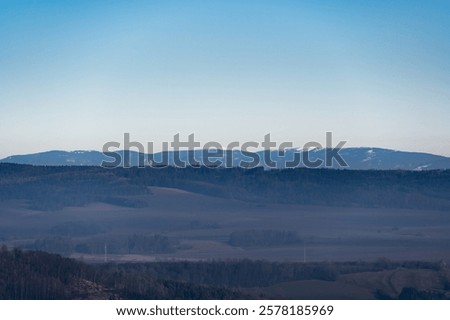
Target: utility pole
{"x":304,"y":252}
{"x":106,"y":253}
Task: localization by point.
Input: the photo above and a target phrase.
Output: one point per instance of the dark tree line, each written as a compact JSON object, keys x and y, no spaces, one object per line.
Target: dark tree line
{"x":116,"y":244}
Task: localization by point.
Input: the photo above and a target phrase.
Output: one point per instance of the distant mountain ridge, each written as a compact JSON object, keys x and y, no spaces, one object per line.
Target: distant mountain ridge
{"x":362,"y":158}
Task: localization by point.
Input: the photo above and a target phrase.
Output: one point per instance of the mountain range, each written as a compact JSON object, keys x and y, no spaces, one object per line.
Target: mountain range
{"x":362,"y":158}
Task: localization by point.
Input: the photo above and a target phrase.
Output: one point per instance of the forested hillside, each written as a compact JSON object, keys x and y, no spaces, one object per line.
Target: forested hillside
{"x":48,"y":188}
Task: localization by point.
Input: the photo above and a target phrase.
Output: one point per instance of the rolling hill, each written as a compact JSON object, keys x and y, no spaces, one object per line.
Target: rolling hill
{"x":356,"y":158}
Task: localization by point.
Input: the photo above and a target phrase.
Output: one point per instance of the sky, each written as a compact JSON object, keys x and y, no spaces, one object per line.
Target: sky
{"x":77,"y":74}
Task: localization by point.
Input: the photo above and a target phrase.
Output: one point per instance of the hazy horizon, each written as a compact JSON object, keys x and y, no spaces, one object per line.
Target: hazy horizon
{"x":76,"y":75}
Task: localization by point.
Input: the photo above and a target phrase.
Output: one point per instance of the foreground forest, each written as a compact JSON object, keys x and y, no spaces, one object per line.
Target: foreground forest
{"x":39,"y":275}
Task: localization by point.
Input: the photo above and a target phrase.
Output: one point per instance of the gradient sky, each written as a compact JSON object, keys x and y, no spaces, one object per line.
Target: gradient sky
{"x":76,"y":74}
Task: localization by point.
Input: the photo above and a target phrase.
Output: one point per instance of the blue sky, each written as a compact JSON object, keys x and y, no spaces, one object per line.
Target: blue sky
{"x":76,"y":74}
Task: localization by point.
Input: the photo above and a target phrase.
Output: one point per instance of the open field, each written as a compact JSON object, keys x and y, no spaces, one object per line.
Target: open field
{"x":365,"y":285}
